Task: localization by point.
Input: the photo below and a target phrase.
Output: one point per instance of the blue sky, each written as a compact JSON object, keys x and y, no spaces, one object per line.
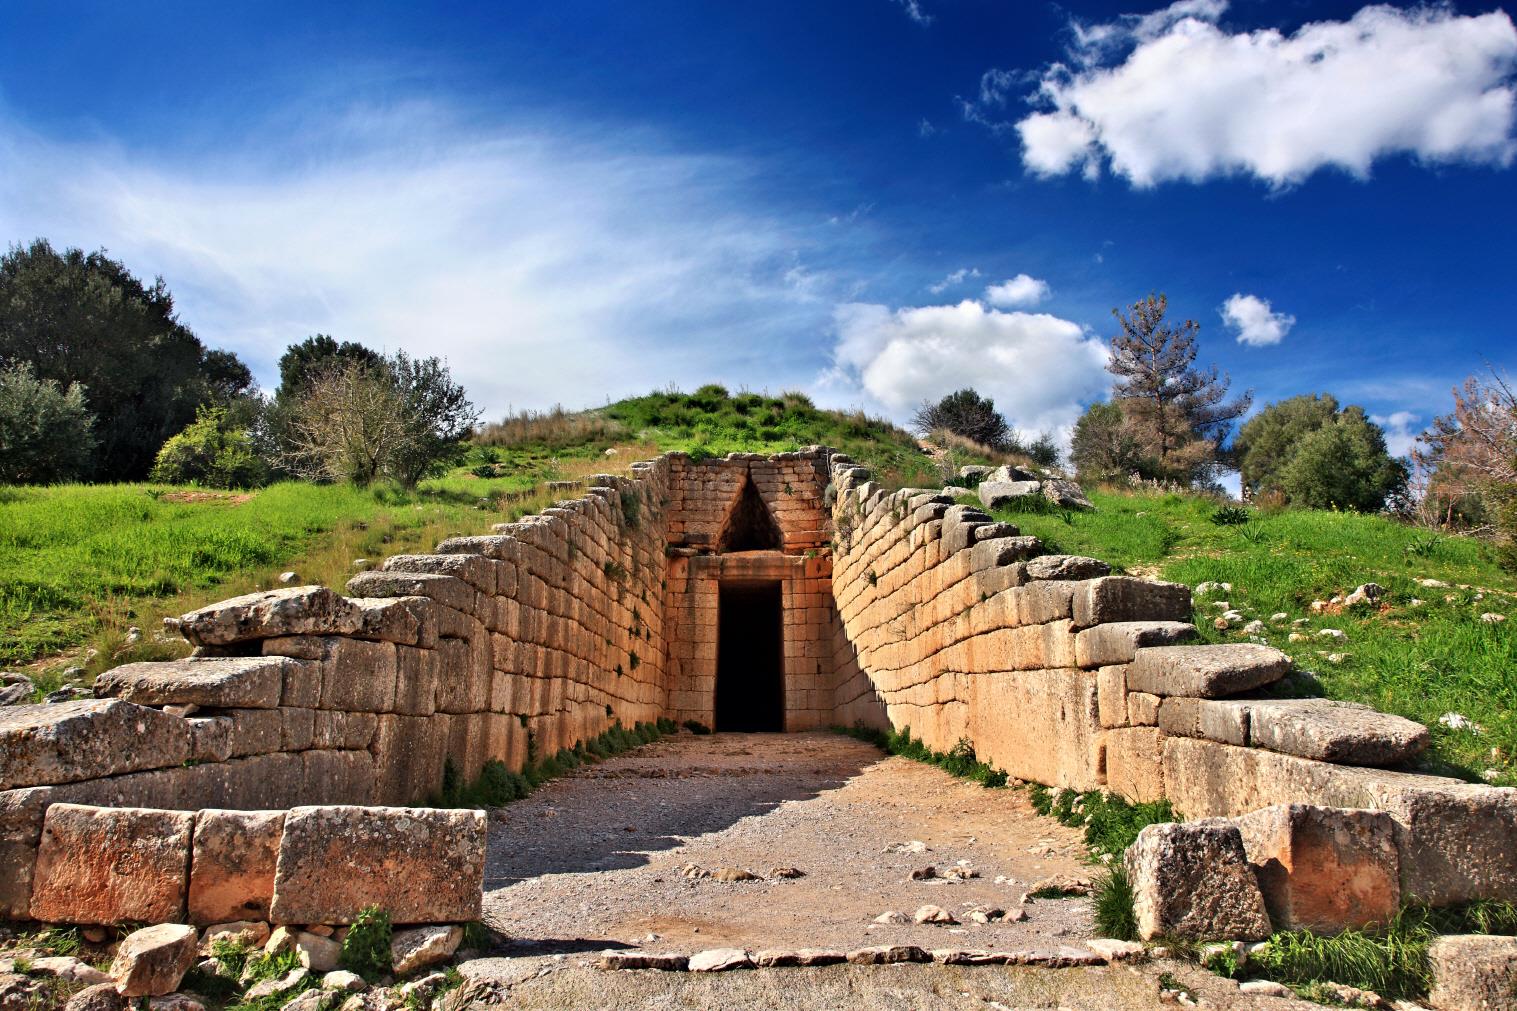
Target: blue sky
{"x":875,"y":201}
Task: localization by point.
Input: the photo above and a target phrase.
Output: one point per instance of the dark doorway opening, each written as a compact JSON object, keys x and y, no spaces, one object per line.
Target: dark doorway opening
{"x":750,"y":680}
{"x":750,"y":525}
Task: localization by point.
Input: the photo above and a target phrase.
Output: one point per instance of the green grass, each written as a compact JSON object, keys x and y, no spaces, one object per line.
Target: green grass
{"x":1417,"y":661}
{"x":1113,"y":906}
{"x":959,"y":761}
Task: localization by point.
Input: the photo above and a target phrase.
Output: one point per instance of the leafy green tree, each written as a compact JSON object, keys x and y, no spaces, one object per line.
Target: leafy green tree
{"x":1104,"y":447}
{"x":438,"y":418}
{"x":46,"y":433}
{"x":213,"y":451}
{"x":311,"y":355}
{"x":1267,"y":441}
{"x":1343,"y":465}
{"x":964,"y":413}
{"x":1182,"y":410}
{"x":78,"y":318}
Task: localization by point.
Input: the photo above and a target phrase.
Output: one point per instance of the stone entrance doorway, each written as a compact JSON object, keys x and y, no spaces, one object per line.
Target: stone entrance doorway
{"x":750,"y":680}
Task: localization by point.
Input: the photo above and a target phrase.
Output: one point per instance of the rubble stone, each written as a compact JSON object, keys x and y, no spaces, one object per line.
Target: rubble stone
{"x":423,"y":947}
{"x":152,"y":961}
{"x":1193,"y":880}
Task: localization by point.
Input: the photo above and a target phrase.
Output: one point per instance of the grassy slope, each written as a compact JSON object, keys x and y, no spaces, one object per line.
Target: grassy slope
{"x":1420,"y":661}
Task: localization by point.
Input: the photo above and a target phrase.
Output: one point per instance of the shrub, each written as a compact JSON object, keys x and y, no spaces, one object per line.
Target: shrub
{"x":697,"y":727}
{"x":46,"y":433}
{"x":366,"y":949}
{"x":965,"y":413}
{"x":1113,"y":912}
{"x":211,"y":452}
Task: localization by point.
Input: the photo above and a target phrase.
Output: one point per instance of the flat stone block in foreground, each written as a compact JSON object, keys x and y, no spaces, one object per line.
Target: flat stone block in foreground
{"x":1473,"y":972}
{"x":1321,"y":868}
{"x":1206,"y":672}
{"x":103,"y":865}
{"x":419,"y":865}
{"x":1193,"y":880}
{"x":72,"y":741}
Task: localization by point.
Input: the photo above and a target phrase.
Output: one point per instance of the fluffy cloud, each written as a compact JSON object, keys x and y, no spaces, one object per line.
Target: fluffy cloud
{"x":1019,"y":291}
{"x":957,"y":277}
{"x":1255,"y":322}
{"x":1037,"y":367}
{"x":1401,"y":431}
{"x":548,"y":266}
{"x":1171,"y":95}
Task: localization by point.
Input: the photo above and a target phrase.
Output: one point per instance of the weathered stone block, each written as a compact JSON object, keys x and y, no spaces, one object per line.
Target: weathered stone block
{"x":992,"y":552}
{"x":252,"y":682}
{"x":1473,"y":972}
{"x":1135,"y":763}
{"x":111,"y":865}
{"x":1321,"y":868}
{"x":20,"y":828}
{"x":358,"y":676}
{"x":1123,"y":598}
{"x":447,"y":590}
{"x":232,"y":866}
{"x":152,"y":961}
{"x":1224,"y":720}
{"x":409,"y":752}
{"x":296,"y":610}
{"x":1193,"y":880}
{"x":997,"y":494}
{"x":1066,"y":567}
{"x":1118,"y":642}
{"x":474,"y":569}
{"x":1332,"y":731}
{"x":333,"y":776}
{"x":70,"y":741}
{"x":421,"y":866}
{"x":1143,"y":709}
{"x":416,"y":678}
{"x":1052,"y":738}
{"x":1111,"y":695}
{"x":406,"y":620}
{"x":1206,"y":671}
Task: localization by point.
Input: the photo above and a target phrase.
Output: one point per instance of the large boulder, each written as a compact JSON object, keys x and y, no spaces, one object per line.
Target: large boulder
{"x":71,"y":741}
{"x":152,"y":961}
{"x":1066,"y":493}
{"x":1473,"y":972}
{"x":419,"y":865}
{"x":1193,"y":880}
{"x":295,"y":610}
{"x":1323,"y":869}
{"x":107,"y":865}
{"x":1206,"y":671}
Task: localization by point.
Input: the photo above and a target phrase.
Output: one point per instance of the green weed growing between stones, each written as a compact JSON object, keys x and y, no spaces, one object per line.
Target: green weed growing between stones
{"x":366,"y":949}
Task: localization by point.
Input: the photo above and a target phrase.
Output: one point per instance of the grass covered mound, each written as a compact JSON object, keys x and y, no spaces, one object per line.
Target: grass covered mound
{"x":1434,"y":648}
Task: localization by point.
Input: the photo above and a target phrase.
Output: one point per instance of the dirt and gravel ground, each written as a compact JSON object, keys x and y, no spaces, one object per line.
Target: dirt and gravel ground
{"x":595,"y":859}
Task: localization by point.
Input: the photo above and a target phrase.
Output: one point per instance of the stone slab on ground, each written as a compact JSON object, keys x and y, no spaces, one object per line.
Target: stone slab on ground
{"x":1323,"y":869}
{"x":67,"y":742}
{"x":1206,"y":671}
{"x":419,"y":865}
{"x":104,"y":866}
{"x":1473,"y":972}
{"x":1193,"y":880}
{"x":232,"y":872}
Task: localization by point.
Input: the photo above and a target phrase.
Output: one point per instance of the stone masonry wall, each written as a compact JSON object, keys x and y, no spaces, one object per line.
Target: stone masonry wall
{"x":1059,"y":672}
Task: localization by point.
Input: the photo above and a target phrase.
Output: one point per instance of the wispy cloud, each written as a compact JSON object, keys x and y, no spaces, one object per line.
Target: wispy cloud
{"x":1173,"y":96}
{"x":1255,"y":321}
{"x":1401,"y":431}
{"x":547,"y":266}
{"x":914,"y":11}
{"x":952,"y":280}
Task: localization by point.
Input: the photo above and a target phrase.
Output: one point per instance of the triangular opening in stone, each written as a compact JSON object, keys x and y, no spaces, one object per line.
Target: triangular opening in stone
{"x":750,"y":525}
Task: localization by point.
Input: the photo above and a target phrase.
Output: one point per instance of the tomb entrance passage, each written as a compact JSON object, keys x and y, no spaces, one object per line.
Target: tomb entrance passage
{"x":750,"y":692}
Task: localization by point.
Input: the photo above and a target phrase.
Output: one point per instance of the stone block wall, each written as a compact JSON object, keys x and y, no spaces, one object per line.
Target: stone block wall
{"x":1061,"y":673}
{"x":791,"y":485}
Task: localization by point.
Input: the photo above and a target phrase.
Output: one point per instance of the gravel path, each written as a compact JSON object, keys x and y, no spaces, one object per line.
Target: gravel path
{"x":594,"y":860}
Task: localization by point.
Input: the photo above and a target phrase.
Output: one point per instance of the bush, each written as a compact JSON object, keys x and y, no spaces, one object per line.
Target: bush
{"x":1114,"y":913}
{"x":964,"y":413}
{"x":366,"y":949}
{"x":46,"y":433}
{"x":212,"y":453}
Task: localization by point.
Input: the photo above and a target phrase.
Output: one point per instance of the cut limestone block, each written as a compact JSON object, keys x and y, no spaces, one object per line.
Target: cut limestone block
{"x":1473,"y":972}
{"x":1135,"y":763}
{"x":232,"y":871}
{"x":996,"y":494}
{"x":243,"y":682}
{"x":1224,"y":720}
{"x":1323,"y":869}
{"x":1118,"y":642}
{"x":1329,"y":731}
{"x":1111,"y":694}
{"x":1206,"y":671}
{"x":1193,"y":880}
{"x":1123,"y":598}
{"x":420,"y":866}
{"x":476,"y":570}
{"x":296,"y":610}
{"x":1066,"y":567}
{"x":152,"y":961}
{"x":447,"y":590}
{"x":1055,"y":737}
{"x":70,"y":741}
{"x":406,"y":620}
{"x":103,"y":865}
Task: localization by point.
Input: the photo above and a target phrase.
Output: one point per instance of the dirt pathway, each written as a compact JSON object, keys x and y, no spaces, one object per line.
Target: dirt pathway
{"x":594,"y":860}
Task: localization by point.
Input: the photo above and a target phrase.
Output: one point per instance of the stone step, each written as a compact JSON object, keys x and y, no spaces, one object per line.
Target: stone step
{"x":1206,"y":672}
{"x":1348,"y":733}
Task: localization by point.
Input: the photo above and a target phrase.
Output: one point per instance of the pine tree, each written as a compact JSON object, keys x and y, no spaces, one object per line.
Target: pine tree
{"x":1154,"y":362}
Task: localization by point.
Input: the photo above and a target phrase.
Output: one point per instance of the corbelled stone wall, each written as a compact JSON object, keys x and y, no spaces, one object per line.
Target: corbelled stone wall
{"x":1059,"y":672}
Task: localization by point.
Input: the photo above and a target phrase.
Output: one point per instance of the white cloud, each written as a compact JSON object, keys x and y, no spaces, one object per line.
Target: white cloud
{"x":1038,"y":368}
{"x":1171,"y":95}
{"x":913,"y":9}
{"x":1019,"y":291}
{"x":957,"y":277}
{"x":1401,"y":431}
{"x":1256,"y":323}
{"x":546,"y":266}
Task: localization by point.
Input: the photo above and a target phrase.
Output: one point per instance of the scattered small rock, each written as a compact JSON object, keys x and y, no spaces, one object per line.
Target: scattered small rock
{"x":176,"y":1002}
{"x":720,"y":960}
{"x":914,"y":846}
{"x":275,"y":987}
{"x":1113,"y":950}
{"x":424,"y":987}
{"x":1366,"y":593}
{"x":934,"y":914}
{"x":732,"y":874}
{"x":892,"y":917}
{"x":923,"y":873}
{"x":71,"y":969}
{"x":253,"y":933}
{"x":287,"y":578}
{"x":16,"y":694}
{"x":152,"y":961}
{"x":1331,"y":633}
{"x":341,"y":979}
{"x":423,"y":947}
{"x":1459,"y":721}
{"x":786,"y":872}
{"x":100,"y":997}
{"x":1492,"y":618}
